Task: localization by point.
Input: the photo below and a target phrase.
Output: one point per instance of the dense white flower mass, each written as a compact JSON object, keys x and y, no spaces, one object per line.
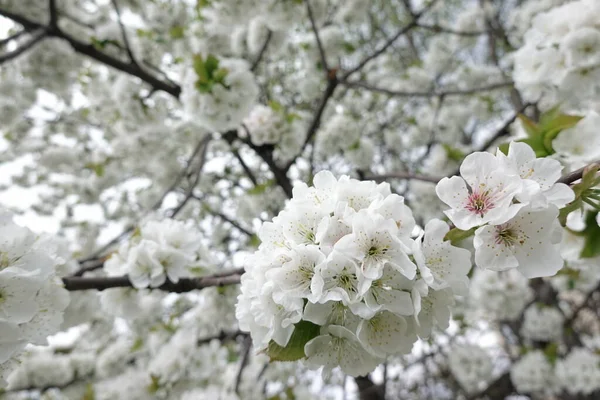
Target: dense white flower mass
{"x":579,"y":371}
{"x":533,"y":373}
{"x":218,"y":94}
{"x":32,"y":301}
{"x":500,"y":295}
{"x":560,"y":59}
{"x":471,"y":365}
{"x":160,"y":251}
{"x":542,"y":323}
{"x":340,"y":256}
{"x":342,"y":153}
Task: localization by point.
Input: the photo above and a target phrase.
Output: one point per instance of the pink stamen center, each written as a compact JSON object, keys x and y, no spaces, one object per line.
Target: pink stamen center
{"x":479,"y":203}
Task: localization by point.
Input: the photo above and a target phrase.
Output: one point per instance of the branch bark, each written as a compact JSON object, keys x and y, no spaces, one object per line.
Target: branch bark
{"x":76,"y":283}
{"x":36,"y":37}
{"x":91,"y":51}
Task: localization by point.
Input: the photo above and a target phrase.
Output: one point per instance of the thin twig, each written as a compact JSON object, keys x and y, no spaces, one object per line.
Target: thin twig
{"x":389,"y":42}
{"x":124,"y":32}
{"x":91,"y":51}
{"x":318,"y":39}
{"x":262,"y":51}
{"x":5,"y":41}
{"x":404,"y":175}
{"x":245,"y":358}
{"x":445,"y":93}
{"x":37,"y":37}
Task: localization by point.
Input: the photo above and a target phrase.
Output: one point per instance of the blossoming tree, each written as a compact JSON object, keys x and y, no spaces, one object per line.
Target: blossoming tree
{"x":299,"y":199}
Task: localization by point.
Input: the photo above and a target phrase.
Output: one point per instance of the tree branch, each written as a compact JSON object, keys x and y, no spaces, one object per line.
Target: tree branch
{"x":403,"y":175}
{"x":53,"y":13}
{"x":389,"y":42}
{"x":75,"y":283}
{"x":318,"y":39}
{"x":576,"y":175}
{"x":262,"y":51}
{"x":332,"y":83}
{"x":124,"y":33}
{"x":37,"y":37}
{"x":91,"y":51}
{"x":445,"y":93}
{"x":5,"y":41}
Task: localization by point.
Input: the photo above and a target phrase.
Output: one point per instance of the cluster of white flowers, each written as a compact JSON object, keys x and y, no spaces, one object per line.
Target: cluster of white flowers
{"x":342,"y":134}
{"x":223,"y":103}
{"x":541,"y":323}
{"x":471,"y":365}
{"x":271,"y":125}
{"x":501,"y":296}
{"x":340,"y":255}
{"x":160,"y":250}
{"x":579,"y":371}
{"x":580,"y":144}
{"x":32,"y":300}
{"x":512,"y":200}
{"x":533,"y":373}
{"x":560,"y":59}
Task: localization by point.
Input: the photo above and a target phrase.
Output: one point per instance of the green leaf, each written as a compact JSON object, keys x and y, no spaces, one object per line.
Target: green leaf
{"x":304,"y":331}
{"x":349,"y":47}
{"x":568,"y":209}
{"x":254,"y":241}
{"x":260,"y":188}
{"x":556,"y":126}
{"x":89,"y":393}
{"x":551,"y":353}
{"x":456,"y":235}
{"x":454,"y":153}
{"x":530,"y":127}
{"x":177,"y":32}
{"x":591,"y":248}
{"x":154,"y":384}
{"x":200,"y":68}
{"x":504,"y":147}
{"x":211,"y":64}
{"x":537,"y":144}
{"x":137,"y":345}
{"x":275,"y":106}
{"x":219,"y":75}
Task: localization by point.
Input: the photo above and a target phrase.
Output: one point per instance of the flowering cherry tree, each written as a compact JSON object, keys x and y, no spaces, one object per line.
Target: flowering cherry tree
{"x":299,"y":199}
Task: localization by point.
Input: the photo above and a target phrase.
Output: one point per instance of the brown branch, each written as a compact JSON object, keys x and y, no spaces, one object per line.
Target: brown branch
{"x":53,"y":13}
{"x":92,"y":52}
{"x":222,"y":336}
{"x":445,"y":93}
{"x":75,"y":283}
{"x":266,"y":153}
{"x":123,"y":32}
{"x":243,"y":363}
{"x":37,"y":37}
{"x":577,"y":174}
{"x":5,"y":41}
{"x":245,"y":167}
{"x":318,"y":39}
{"x":503,"y":130}
{"x":403,"y":175}
{"x":262,"y":51}
{"x":197,"y":176}
{"x":389,"y":42}
{"x":332,"y":83}
{"x":96,"y":259}
{"x":442,"y":29}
